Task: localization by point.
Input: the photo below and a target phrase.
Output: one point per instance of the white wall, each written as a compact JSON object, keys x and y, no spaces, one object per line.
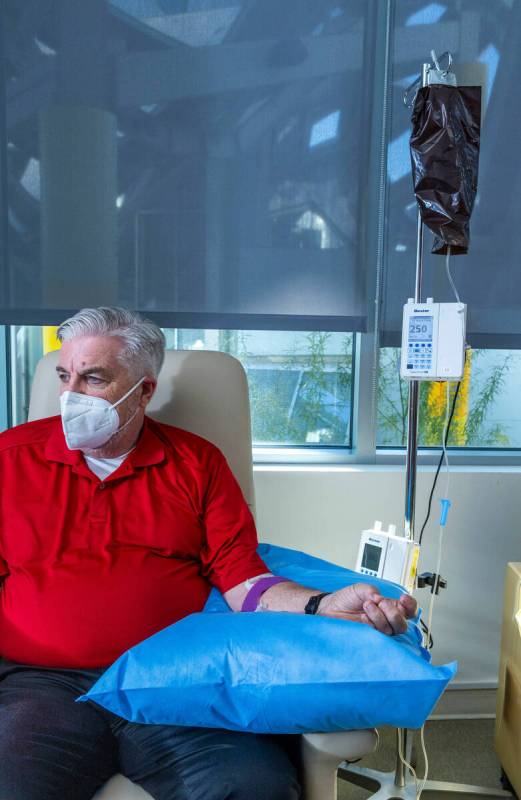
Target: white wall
{"x":323,"y":510}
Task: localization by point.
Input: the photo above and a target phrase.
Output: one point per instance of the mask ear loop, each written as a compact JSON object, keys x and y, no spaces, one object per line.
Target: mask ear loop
{"x":132,"y":389}
{"x":126,"y":423}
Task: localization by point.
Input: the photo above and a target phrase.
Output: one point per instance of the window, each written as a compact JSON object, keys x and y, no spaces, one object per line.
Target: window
{"x":487,"y":412}
{"x":300,"y":383}
{"x":302,"y":389}
{"x":251,"y":197}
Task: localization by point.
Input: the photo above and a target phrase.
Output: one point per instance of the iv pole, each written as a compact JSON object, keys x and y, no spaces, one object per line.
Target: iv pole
{"x":399,"y":784}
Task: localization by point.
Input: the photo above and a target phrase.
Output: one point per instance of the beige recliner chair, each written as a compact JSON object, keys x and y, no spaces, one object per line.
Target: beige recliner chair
{"x":207,"y":393}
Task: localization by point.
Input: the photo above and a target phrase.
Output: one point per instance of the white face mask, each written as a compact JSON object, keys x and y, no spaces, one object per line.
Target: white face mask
{"x":89,"y":422}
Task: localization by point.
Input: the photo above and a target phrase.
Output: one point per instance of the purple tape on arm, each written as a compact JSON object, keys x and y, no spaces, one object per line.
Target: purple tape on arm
{"x":251,"y":600}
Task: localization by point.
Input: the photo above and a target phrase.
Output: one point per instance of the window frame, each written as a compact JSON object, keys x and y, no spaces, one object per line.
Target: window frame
{"x":5,"y":385}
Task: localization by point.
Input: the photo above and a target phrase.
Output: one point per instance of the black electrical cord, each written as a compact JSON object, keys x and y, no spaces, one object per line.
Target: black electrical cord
{"x":452,"y":410}
{"x":430,"y":640}
{"x":440,"y":461}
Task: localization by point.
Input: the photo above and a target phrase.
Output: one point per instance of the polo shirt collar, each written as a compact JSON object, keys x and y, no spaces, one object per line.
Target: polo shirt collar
{"x":56,"y":448}
{"x":148,"y":450}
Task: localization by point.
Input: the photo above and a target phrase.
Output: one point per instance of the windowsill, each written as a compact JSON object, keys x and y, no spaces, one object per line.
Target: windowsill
{"x":343,"y":460}
{"x":358,"y":468}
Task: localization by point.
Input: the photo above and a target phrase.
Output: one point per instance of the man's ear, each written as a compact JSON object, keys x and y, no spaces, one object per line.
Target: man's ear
{"x":148,"y":388}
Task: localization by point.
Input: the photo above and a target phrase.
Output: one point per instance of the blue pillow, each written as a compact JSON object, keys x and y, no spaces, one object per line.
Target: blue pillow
{"x":274,"y":672}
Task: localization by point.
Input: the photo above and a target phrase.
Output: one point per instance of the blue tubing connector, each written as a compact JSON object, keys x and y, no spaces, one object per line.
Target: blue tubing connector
{"x":445,"y":505}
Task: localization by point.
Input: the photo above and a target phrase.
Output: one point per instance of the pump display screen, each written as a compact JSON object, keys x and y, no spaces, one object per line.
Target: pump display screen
{"x":420,"y":329}
{"x":371,"y":557}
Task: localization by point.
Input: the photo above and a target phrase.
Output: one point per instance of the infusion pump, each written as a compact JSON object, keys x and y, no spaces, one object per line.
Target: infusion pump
{"x":383,"y":554}
{"x":433,"y":341}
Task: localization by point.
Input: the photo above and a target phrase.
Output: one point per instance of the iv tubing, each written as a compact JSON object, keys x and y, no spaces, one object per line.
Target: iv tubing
{"x":449,"y":276}
{"x":440,"y":536}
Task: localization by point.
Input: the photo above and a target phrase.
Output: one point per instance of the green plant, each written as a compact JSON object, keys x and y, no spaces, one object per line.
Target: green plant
{"x":469,"y":428}
{"x":300,"y":403}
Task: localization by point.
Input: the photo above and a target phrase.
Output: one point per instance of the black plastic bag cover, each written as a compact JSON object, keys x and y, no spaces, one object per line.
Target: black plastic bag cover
{"x":444,"y":154}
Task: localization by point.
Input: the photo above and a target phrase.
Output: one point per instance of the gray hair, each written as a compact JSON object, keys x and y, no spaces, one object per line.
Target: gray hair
{"x":143,"y":341}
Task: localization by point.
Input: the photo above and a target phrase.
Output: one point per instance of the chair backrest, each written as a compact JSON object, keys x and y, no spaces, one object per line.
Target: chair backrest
{"x":203,"y":392}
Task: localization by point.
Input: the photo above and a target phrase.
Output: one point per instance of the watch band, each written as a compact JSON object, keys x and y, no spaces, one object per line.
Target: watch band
{"x":312,"y":604}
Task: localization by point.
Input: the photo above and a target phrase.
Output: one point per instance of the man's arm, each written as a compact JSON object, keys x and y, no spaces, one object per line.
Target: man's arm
{"x":230,"y":552}
{"x":360,"y":602}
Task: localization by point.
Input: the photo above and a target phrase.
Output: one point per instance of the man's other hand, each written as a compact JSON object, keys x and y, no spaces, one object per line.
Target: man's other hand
{"x":363,"y":603}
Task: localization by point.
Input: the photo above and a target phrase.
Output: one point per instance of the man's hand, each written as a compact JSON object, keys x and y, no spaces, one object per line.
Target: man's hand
{"x":362,"y":602}
{"x":359,"y":603}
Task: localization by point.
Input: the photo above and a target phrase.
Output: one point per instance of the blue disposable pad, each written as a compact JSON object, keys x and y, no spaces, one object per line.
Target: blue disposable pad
{"x":275,"y":672}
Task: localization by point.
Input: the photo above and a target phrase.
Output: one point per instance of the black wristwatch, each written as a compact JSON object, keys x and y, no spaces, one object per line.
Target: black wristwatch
{"x":313,"y":603}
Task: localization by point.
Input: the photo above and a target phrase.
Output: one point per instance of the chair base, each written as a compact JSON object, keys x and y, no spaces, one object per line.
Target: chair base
{"x":120,"y":788}
{"x":322,"y":753}
{"x":385,"y":786}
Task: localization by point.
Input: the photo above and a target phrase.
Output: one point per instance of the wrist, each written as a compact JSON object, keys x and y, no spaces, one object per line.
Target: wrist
{"x":314,"y":603}
{"x":324,"y":605}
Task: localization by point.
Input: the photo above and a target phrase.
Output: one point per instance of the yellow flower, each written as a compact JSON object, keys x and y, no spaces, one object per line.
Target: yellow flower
{"x":433,"y":422}
{"x":436,"y":398}
{"x":436,"y":409}
{"x":461,"y":412}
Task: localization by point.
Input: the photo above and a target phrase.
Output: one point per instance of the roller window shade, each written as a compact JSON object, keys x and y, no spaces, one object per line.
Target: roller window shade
{"x":206,"y":166}
{"x":484,"y":41}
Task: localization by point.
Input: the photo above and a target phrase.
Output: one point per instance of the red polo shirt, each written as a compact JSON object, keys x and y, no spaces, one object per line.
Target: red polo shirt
{"x":93,"y":567}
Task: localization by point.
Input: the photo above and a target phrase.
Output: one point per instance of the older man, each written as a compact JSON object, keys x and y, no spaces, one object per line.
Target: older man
{"x":113,"y":526}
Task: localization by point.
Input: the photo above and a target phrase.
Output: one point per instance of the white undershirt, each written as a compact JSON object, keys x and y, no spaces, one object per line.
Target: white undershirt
{"x":103,"y":467}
